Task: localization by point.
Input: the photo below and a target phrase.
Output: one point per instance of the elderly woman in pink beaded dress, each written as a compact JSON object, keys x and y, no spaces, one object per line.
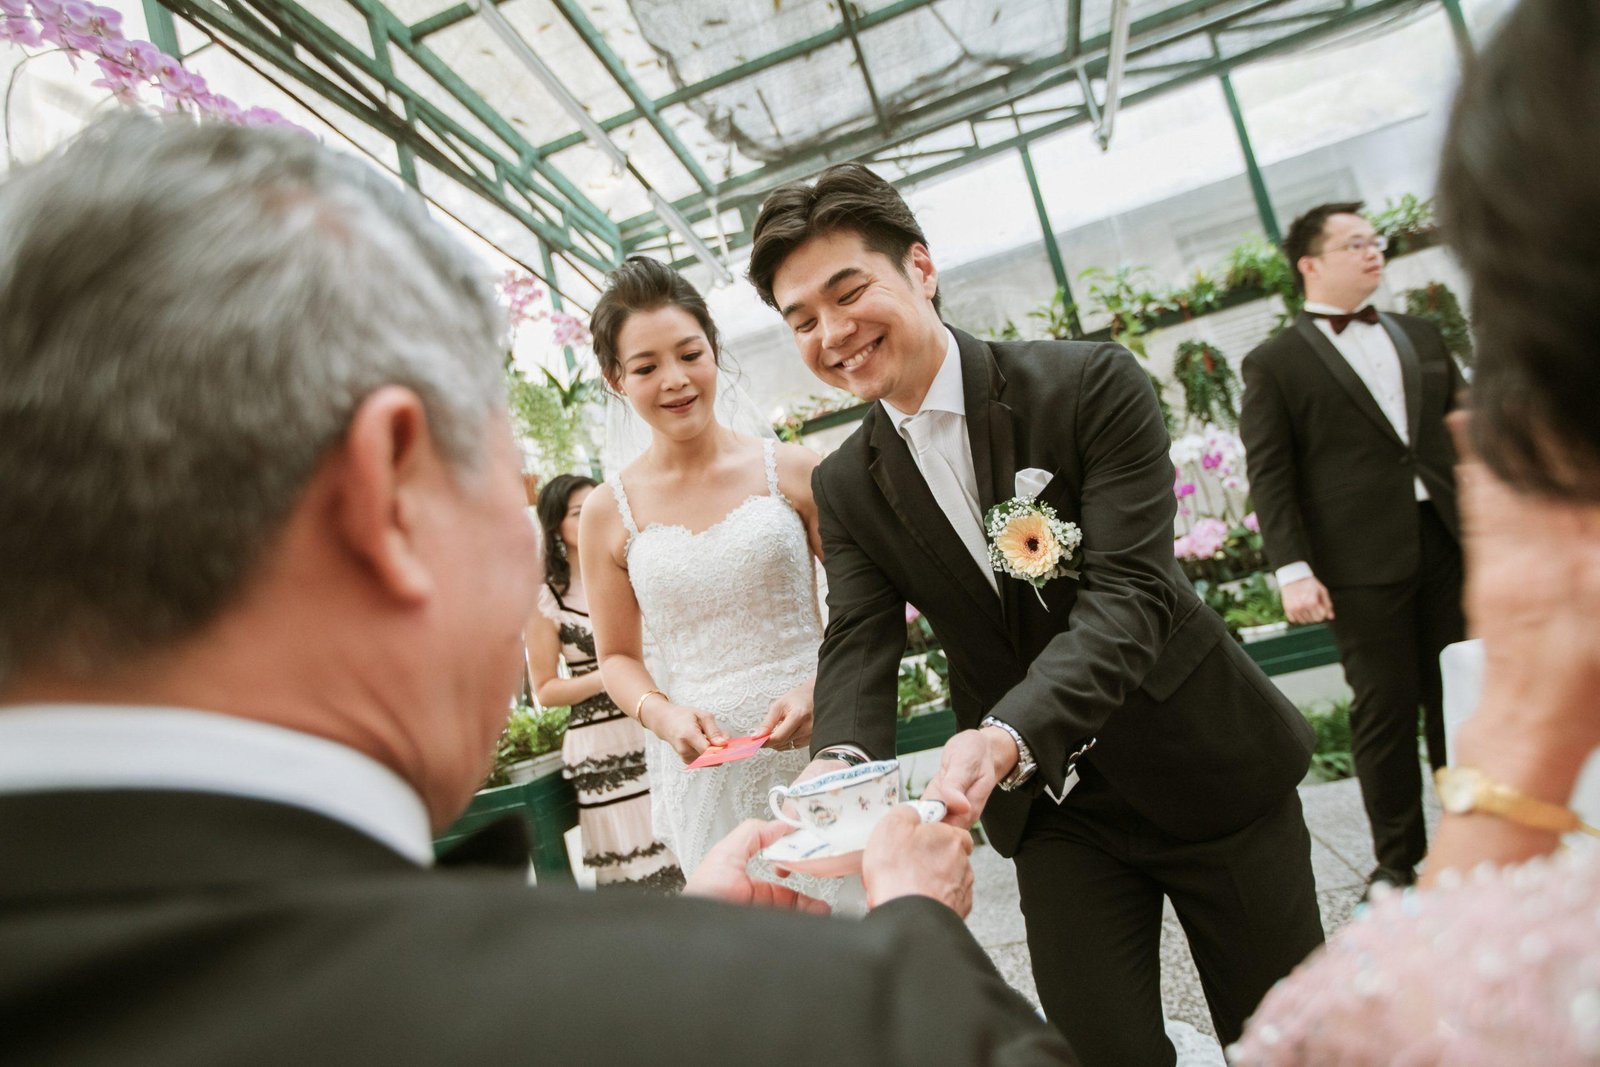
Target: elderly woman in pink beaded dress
{"x":1496,"y":959}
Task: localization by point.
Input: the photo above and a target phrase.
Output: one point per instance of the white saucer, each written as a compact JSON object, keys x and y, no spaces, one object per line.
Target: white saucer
{"x":833,"y":855}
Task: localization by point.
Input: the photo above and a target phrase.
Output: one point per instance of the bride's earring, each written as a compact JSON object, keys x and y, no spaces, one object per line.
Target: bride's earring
{"x":561,"y":548}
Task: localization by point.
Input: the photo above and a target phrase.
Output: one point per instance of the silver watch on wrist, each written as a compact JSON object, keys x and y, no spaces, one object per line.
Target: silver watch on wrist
{"x":1025,"y":765}
{"x":848,"y":754}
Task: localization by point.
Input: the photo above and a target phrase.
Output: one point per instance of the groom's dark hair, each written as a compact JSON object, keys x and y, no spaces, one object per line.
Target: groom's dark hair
{"x":846,"y":196}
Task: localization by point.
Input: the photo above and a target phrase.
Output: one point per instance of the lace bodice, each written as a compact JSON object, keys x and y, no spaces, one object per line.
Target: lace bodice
{"x":732,"y":609}
{"x":731,"y":612}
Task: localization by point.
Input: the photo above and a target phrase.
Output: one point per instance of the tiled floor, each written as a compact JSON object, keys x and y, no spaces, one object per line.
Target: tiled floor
{"x":1341,"y":856}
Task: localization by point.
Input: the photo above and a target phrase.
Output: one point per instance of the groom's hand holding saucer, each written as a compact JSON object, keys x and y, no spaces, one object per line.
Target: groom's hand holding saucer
{"x":972,"y":763}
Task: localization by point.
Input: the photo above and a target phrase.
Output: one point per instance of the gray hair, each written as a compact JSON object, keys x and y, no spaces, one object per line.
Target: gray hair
{"x":189,"y":317}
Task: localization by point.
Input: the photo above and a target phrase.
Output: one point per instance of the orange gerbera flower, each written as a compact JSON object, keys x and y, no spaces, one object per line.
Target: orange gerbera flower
{"x":1028,"y":545}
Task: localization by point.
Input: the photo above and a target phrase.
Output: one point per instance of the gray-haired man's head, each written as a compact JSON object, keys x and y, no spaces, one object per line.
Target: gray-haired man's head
{"x":190,"y":315}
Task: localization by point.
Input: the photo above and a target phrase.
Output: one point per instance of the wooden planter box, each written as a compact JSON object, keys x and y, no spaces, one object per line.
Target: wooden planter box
{"x":548,"y":807}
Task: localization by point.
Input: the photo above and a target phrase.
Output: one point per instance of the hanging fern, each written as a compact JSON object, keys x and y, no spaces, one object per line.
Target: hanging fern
{"x":1210,"y":389}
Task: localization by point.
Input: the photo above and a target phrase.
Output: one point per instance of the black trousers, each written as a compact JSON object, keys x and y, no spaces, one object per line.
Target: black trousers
{"x":1390,"y":637}
{"x":1092,"y":873}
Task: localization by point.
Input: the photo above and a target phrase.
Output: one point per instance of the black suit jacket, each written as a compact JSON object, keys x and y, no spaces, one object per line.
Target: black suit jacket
{"x":183,"y":928}
{"x":1331,"y":479}
{"x":1190,"y":732}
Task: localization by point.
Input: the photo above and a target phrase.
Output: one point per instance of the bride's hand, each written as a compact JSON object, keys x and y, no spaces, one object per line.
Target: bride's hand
{"x":789,"y":719}
{"x":689,"y":731}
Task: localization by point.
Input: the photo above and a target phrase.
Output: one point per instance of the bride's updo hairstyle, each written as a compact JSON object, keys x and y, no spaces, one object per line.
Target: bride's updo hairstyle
{"x":642,"y":284}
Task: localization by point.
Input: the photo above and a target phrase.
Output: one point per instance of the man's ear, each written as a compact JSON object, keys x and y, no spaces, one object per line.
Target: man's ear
{"x":389,"y":476}
{"x":1307,"y":266}
{"x":920,"y":269}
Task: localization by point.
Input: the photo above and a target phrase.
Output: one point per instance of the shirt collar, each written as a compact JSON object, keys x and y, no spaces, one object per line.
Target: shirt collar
{"x":50,"y":747}
{"x":945,"y":392}
{"x":1328,"y":309}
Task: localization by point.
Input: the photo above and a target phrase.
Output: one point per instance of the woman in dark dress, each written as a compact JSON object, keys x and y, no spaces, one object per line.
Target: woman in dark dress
{"x":604,"y":749}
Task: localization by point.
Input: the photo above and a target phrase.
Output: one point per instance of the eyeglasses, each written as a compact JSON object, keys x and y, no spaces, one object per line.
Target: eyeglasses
{"x":1360,"y":245}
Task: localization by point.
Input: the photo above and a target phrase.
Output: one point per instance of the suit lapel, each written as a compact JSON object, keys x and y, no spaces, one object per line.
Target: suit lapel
{"x":991,"y":432}
{"x":1410,"y":371}
{"x":902,"y":485}
{"x":1345,"y":374}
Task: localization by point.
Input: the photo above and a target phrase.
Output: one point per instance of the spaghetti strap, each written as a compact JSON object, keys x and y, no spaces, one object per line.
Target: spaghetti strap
{"x":769,"y":455}
{"x":615,"y":481}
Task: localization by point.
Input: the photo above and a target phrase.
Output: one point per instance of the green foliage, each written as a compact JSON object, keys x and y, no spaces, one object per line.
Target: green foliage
{"x":1256,"y":263}
{"x":1210,"y":387}
{"x":1331,"y":759}
{"x":550,"y":415}
{"x":529,"y":732}
{"x":1008,"y":332}
{"x":916,"y":686}
{"x":1060,"y":319}
{"x":791,"y":426}
{"x":1436,"y":303}
{"x":1255,"y":603}
{"x":1126,"y":296}
{"x":1201,"y":295}
{"x":1169,"y":418}
{"x":1410,"y":216}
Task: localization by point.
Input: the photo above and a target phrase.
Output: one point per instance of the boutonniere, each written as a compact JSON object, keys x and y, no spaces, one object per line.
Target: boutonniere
{"x":1028,"y":542}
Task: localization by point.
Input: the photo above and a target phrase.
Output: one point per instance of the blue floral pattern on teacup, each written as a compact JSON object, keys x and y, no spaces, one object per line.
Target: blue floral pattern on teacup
{"x":844,"y":802}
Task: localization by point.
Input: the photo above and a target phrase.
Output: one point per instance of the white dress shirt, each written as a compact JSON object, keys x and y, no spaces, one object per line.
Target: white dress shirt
{"x":1369,"y":350}
{"x":77,"y":747}
{"x":937,"y":436}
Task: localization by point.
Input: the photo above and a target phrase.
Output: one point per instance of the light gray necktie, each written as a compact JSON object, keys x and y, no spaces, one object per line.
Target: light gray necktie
{"x":948,"y":493}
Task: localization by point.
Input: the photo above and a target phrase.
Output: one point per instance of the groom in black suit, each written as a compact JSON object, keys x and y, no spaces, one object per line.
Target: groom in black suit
{"x":265,"y":566}
{"x":1353,"y":475}
{"x":1138,"y":752}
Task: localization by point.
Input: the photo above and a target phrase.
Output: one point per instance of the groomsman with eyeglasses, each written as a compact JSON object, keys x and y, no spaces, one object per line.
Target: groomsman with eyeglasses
{"x":1352,"y":472}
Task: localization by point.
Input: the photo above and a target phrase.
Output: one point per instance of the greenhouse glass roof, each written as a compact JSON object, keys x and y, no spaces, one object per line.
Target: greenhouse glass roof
{"x":590,"y":130}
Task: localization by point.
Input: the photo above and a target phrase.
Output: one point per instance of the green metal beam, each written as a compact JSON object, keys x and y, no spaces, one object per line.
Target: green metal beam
{"x":407,"y":156}
{"x":1057,"y":266}
{"x":1215,"y":68}
{"x":755,"y":66}
{"x":468,"y":97}
{"x":163,"y":34}
{"x":1177,"y":23}
{"x":641,"y":100}
{"x":295,"y":21}
{"x":1458,"y":27}
{"x":1258,"y":183}
{"x":555,"y":302}
{"x":206,"y":13}
{"x":1074,"y":28}
{"x":861,"y":62}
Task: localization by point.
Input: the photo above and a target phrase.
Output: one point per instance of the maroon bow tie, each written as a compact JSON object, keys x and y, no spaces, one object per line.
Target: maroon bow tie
{"x":1368,"y":315}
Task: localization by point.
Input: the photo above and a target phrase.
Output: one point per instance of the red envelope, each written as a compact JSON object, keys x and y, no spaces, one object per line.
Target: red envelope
{"x":735,"y":749}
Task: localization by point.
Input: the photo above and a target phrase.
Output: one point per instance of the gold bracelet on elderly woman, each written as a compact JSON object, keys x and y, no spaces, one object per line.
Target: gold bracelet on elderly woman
{"x":638,"y":709}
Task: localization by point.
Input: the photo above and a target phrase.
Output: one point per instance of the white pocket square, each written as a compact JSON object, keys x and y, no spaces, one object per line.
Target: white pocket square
{"x":1031,"y":482}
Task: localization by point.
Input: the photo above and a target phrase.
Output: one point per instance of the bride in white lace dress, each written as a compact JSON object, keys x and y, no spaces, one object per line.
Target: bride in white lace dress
{"x":706,"y":541}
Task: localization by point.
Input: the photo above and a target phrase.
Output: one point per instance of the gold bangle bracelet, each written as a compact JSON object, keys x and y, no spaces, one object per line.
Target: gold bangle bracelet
{"x":638,"y":709}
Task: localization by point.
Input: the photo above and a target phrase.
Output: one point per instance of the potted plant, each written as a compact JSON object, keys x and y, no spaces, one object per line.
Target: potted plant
{"x":1257,"y":610}
{"x":530,"y":745}
{"x":1201,"y":295}
{"x":919,"y":687}
{"x":1408,"y":223}
{"x":1209,"y":384}
{"x":1438,"y":304}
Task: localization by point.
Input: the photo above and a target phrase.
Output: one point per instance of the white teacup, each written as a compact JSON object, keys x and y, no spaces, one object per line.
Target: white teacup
{"x":845,"y":804}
